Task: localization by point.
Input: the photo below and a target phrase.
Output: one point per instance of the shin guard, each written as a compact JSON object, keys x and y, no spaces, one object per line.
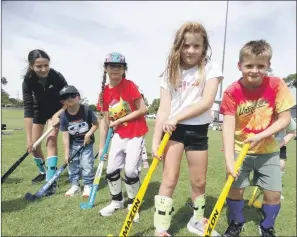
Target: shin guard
{"x":40,"y":164}
{"x":199,"y":207}
{"x":115,"y":185}
{"x":163,"y":213}
{"x":51,"y":167}
{"x":235,"y":210}
{"x":270,"y":213}
{"x":132,"y":187}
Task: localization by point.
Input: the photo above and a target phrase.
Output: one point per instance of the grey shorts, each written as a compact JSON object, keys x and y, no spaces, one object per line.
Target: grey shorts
{"x":267,"y":172}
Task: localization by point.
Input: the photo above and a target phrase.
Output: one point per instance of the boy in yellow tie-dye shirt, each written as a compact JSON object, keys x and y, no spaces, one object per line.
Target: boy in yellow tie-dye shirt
{"x":255,"y":108}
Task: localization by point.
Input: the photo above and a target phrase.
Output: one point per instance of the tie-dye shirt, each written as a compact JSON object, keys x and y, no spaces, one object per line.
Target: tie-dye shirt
{"x":255,"y":110}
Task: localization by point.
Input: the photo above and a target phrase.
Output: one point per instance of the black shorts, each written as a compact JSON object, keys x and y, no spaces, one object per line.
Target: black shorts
{"x":41,"y":117}
{"x":194,"y":137}
{"x":283,"y":153}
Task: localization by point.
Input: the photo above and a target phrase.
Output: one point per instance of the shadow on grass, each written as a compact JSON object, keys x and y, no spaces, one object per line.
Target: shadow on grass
{"x":12,"y":180}
{"x":181,"y":218}
{"x":149,"y":197}
{"x":249,"y":213}
{"x":14,"y":204}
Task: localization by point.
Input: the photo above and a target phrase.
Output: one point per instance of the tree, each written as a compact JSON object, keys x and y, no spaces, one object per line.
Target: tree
{"x":84,"y":100}
{"x":154,"y":106}
{"x":93,"y":107}
{"x":3,"y":81}
{"x":146,"y":102}
{"x":290,"y":80}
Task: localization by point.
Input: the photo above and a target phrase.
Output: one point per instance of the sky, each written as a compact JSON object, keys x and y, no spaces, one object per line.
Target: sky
{"x":78,"y":35}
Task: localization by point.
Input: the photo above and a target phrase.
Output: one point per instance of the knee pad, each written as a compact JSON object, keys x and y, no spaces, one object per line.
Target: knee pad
{"x":132,"y":187}
{"x":40,"y":164}
{"x":115,"y":184}
{"x":51,"y":167}
{"x":163,"y":213}
{"x":199,"y":207}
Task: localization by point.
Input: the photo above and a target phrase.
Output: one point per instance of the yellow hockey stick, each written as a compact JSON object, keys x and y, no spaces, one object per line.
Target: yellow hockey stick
{"x":141,"y":192}
{"x":212,"y":221}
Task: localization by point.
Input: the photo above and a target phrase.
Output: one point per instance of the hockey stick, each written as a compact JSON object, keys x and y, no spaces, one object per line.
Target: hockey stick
{"x":139,"y":197}
{"x":221,"y":200}
{"x":92,"y":197}
{"x":251,"y":201}
{"x":45,"y":187}
{"x":20,"y":160}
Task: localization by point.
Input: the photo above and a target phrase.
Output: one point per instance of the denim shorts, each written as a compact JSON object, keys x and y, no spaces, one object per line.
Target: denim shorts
{"x":194,"y":137}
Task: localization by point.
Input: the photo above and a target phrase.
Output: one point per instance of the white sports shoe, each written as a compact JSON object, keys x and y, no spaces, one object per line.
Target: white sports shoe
{"x":111,"y":208}
{"x":87,"y":191}
{"x":136,"y":217}
{"x":197,"y":227}
{"x":72,"y":191}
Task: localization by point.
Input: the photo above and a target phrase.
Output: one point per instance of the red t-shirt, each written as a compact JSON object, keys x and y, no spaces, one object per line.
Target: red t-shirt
{"x":255,"y":110}
{"x":119,"y":102}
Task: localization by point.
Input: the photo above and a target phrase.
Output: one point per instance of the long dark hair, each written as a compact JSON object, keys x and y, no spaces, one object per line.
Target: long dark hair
{"x":32,"y":56}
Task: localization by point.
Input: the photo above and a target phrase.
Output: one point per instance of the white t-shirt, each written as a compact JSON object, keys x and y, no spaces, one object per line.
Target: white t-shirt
{"x":188,"y":94}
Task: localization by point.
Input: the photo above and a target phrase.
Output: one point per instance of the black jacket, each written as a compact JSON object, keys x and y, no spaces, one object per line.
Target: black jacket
{"x":40,"y":99}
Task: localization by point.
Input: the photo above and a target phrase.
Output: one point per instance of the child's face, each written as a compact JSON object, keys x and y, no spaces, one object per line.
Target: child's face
{"x":253,"y":69}
{"x":115,"y":71}
{"x":70,"y":100}
{"x":41,"y":67}
{"x":192,"y":50}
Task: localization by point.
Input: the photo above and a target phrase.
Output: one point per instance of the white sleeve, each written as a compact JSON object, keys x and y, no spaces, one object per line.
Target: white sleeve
{"x":164,"y":83}
{"x":213,"y":70}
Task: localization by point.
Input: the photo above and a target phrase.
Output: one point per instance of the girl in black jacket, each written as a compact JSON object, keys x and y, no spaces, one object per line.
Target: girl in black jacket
{"x":41,"y":87}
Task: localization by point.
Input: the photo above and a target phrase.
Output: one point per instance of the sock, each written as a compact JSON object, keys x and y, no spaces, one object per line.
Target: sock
{"x":40,"y":164}
{"x":51,"y":167}
{"x":199,"y":207}
{"x":235,"y":210}
{"x":270,"y":213}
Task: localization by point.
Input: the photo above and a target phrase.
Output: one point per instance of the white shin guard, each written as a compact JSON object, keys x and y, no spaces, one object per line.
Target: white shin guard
{"x":199,"y":207}
{"x":163,"y":213}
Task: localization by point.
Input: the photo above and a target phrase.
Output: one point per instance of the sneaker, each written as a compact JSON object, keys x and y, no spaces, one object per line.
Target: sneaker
{"x":51,"y":190}
{"x":39,"y":178}
{"x":72,"y":191}
{"x":162,"y":234}
{"x":234,"y":229}
{"x":87,"y":191}
{"x":111,"y":208}
{"x":145,"y":164}
{"x":136,"y":217}
{"x":198,"y":227}
{"x":266,"y":232}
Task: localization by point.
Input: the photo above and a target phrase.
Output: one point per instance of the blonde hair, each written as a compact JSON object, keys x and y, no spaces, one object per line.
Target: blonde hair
{"x":173,"y":70}
{"x":258,"y":48}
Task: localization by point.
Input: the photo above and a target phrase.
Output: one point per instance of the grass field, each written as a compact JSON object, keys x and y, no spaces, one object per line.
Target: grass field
{"x":61,"y":216}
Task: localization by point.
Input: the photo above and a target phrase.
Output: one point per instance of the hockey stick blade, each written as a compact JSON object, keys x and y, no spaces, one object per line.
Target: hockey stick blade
{"x":92,"y":197}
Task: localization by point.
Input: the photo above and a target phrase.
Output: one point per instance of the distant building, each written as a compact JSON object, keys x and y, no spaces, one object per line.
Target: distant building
{"x":215,"y":111}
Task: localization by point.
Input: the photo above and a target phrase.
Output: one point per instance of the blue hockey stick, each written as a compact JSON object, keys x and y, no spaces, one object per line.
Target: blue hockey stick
{"x":92,"y":197}
{"x":45,"y":187}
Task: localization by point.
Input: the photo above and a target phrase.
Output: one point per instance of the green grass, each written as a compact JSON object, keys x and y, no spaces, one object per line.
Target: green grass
{"x":60,"y":216}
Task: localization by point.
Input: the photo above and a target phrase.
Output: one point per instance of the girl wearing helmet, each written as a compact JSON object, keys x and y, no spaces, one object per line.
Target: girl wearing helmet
{"x":122,"y":108}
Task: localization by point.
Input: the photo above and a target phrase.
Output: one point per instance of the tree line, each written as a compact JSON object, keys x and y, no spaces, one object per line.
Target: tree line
{"x":152,"y":108}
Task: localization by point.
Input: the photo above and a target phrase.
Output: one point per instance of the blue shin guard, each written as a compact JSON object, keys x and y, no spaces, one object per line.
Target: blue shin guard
{"x":51,"y":167}
{"x":40,"y":164}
